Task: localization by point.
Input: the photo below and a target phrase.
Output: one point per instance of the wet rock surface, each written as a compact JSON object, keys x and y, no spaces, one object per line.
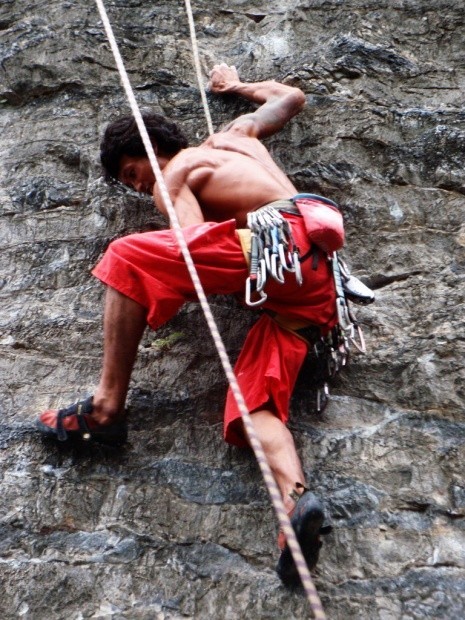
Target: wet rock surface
{"x":177,"y":524}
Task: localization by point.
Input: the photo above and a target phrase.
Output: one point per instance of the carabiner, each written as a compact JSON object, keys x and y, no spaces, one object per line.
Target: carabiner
{"x":283,"y":260}
{"x":266,"y":254}
{"x":274,"y":239}
{"x":322,"y":397}
{"x":276,"y":269}
{"x":261,"y":275}
{"x":360,"y":347}
{"x":254,"y":251}
{"x":249,"y":293}
{"x":297,"y":268}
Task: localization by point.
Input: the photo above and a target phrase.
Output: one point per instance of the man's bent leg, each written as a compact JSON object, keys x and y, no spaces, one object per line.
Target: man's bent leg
{"x":101,"y":417}
{"x":281,"y":454}
{"x":304,"y":508}
{"x":123,"y":325}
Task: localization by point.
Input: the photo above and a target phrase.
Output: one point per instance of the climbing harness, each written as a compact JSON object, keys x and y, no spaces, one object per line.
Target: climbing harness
{"x":273,"y":252}
{"x":283,"y":518}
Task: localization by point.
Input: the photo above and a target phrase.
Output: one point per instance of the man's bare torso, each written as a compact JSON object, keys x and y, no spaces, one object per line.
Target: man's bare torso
{"x":229,"y":175}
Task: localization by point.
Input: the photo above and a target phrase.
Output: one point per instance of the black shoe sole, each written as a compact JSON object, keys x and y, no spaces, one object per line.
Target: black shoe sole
{"x":307,"y":522}
{"x":114,"y":435}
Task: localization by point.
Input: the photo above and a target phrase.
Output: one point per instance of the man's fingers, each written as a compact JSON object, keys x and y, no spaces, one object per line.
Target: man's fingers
{"x":221,"y":75}
{"x":221,"y":66}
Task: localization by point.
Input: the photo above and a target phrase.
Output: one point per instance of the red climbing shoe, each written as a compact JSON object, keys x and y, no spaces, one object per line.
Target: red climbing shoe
{"x":75,"y":422}
{"x":308,"y":521}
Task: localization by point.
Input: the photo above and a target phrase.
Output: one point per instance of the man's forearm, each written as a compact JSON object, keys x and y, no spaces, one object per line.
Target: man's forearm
{"x":278,"y":102}
{"x":261,"y":92}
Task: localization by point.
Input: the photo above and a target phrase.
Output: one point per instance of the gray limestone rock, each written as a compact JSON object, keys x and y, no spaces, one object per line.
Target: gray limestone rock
{"x":177,"y":524}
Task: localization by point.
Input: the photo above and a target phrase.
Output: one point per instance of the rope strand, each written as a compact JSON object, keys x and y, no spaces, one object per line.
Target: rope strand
{"x":198,"y":70}
{"x":254,"y":441}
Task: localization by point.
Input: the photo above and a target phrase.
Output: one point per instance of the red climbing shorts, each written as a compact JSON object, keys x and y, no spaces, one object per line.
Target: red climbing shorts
{"x":149,"y":268}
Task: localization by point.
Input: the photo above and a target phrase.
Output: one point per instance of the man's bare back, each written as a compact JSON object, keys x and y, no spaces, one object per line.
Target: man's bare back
{"x":225,"y":178}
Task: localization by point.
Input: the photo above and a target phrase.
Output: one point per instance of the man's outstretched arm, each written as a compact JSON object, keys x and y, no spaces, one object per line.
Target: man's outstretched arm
{"x":278,"y":102}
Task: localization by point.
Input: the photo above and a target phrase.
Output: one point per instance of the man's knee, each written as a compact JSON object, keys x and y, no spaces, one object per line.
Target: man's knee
{"x":122,"y":247}
{"x":271,"y":430}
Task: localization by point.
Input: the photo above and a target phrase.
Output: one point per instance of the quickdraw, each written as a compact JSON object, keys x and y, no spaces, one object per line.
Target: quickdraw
{"x":349,"y":287}
{"x":272,"y":252}
{"x":330,"y":353}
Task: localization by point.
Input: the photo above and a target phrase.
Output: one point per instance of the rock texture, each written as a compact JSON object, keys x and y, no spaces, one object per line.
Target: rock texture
{"x":178,"y":525}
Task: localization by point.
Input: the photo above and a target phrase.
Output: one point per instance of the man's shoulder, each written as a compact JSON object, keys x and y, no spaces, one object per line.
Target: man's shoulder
{"x":187,"y":152}
{"x":240,"y":144}
{"x":219,"y":148}
{"x":186,"y":158}
{"x":227,"y":136}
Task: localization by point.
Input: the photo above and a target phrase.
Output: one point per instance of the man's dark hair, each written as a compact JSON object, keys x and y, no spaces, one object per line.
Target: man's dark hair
{"x":122,"y":137}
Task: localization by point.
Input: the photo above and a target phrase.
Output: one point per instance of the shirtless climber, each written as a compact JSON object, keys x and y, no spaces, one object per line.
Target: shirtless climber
{"x":213,"y":187}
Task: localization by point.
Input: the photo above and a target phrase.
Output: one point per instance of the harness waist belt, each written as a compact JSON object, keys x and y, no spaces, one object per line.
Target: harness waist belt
{"x":306,"y":331}
{"x":285,"y":206}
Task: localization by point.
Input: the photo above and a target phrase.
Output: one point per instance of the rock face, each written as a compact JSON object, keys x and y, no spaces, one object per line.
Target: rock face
{"x":177,"y":524}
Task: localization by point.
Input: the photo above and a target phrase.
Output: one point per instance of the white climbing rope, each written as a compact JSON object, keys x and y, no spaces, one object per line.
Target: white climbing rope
{"x":198,"y":69}
{"x":254,"y":441}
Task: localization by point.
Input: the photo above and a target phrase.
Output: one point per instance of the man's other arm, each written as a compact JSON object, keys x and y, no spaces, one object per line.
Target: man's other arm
{"x":184,"y":201}
{"x":278,"y":102}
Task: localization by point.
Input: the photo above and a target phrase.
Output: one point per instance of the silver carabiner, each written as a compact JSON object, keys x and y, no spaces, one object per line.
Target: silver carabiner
{"x":282,"y":258}
{"x":344,"y":319}
{"x":297,"y":268}
{"x":266,"y":254}
{"x":322,"y":397}
{"x":276,"y":269}
{"x":249,"y":293}
{"x":261,"y":275}
{"x":360,"y":347}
